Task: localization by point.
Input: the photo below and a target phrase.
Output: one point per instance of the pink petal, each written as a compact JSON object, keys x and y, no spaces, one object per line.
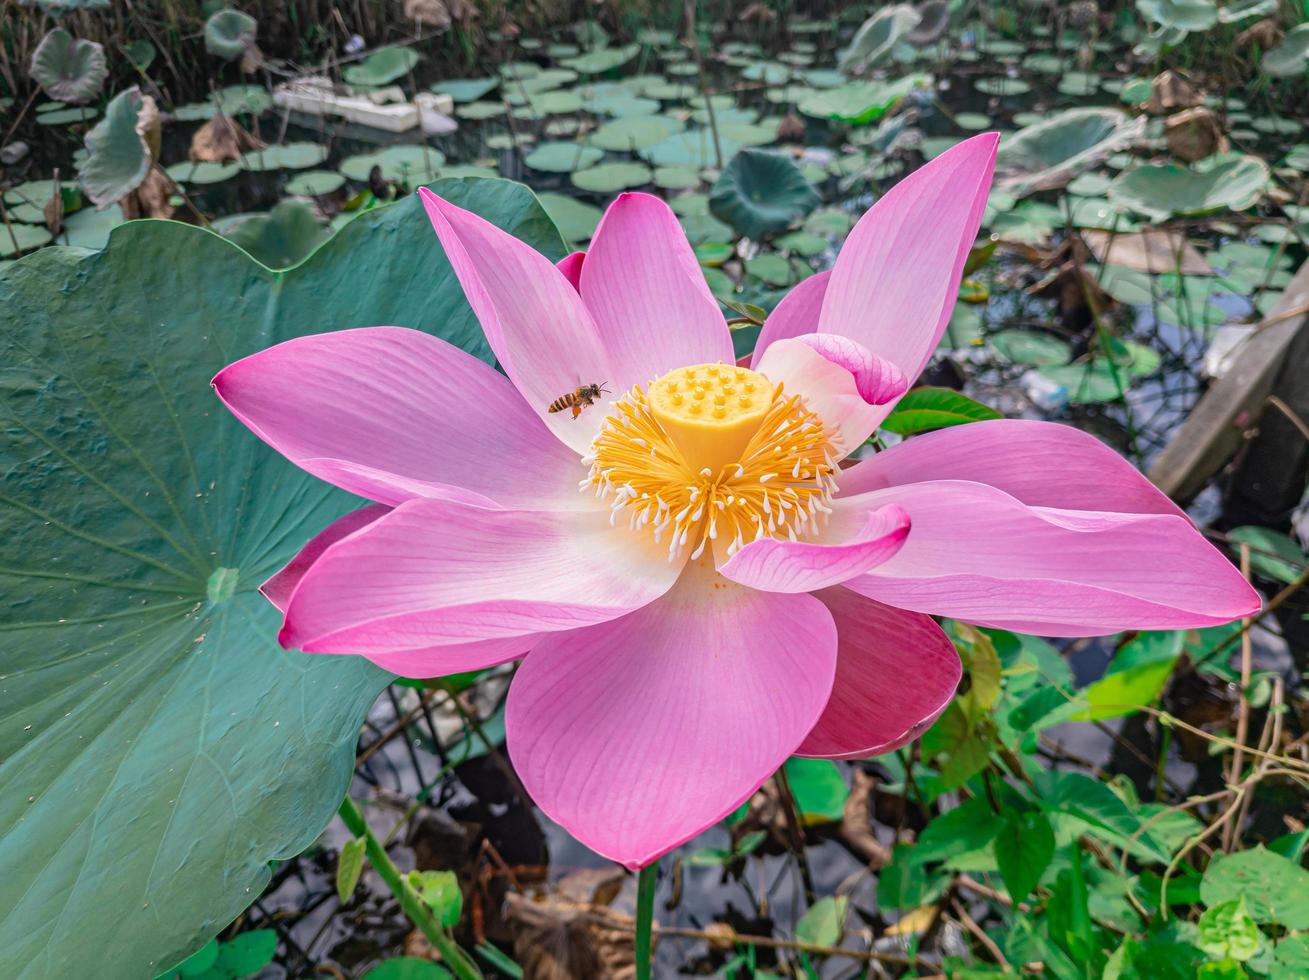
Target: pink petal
{"x":796,"y":314}
{"x":1041,"y":463}
{"x":455,"y":658}
{"x":980,"y":555}
{"x":436,"y":572}
{"x":279,"y":587}
{"x":391,"y":414}
{"x":533,"y":318}
{"x":571,"y":266}
{"x":804,"y":566}
{"x":895,"y":280}
{"x":896,"y":671}
{"x":648,"y":297}
{"x":638,"y":734}
{"x":829,"y":388}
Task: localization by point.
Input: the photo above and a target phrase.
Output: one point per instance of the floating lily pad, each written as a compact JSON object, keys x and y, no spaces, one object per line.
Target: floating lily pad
{"x":1002,"y":85}
{"x":676,"y":178}
{"x":576,"y":220}
{"x":760,"y":193}
{"x":1185,"y":15}
{"x":313,"y":183}
{"x":563,"y":157}
{"x":90,"y":227}
{"x":603,"y":60}
{"x":704,"y":228}
{"x":860,"y":103}
{"x":1090,"y":382}
{"x":1078,"y":83}
{"x":62,"y":117}
{"x":151,"y":723}
{"x":973,"y":121}
{"x":635,"y":132}
{"x":205,"y":172}
{"x":1031,"y":347}
{"x":480,"y":110}
{"x":691,"y":148}
{"x":804,"y":243}
{"x":381,"y":67}
{"x":284,"y":156}
{"x":19,"y":238}
{"x":229,"y":34}
{"x":557,"y":103}
{"x":713,"y":253}
{"x":233,"y":100}
{"x":829,"y":221}
{"x":771,"y":268}
{"x":1161,"y":190}
{"x":748,"y":134}
{"x":1049,"y":154}
{"x":69,"y":69}
{"x":607,"y":178}
{"x":465,"y":89}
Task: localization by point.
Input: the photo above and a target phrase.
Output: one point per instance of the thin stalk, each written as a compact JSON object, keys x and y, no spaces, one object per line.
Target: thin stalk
{"x":645,"y":894}
{"x":459,"y":962}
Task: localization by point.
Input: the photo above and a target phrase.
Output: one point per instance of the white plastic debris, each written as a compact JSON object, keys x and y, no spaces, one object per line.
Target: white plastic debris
{"x":1223,"y":349}
{"x":1047,"y":395}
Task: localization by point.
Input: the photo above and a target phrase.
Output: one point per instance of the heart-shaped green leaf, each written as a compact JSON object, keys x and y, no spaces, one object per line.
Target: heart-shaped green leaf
{"x":229,"y":34}
{"x":69,"y":69}
{"x":159,"y":749}
{"x":760,"y":193}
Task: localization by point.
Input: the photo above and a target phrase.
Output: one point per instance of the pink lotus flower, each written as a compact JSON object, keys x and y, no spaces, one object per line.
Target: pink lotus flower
{"x":720,"y":594}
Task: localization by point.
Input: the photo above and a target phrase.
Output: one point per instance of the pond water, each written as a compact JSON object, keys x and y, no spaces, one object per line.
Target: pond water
{"x":1044,"y":330}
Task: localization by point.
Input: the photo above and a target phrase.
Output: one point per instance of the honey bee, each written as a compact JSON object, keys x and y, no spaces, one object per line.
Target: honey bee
{"x":579,"y":398}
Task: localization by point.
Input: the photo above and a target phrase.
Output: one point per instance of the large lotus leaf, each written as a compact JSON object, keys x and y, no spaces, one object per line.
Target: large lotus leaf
{"x":1291,"y":57}
{"x":760,"y":193}
{"x":860,"y":103}
{"x":1186,"y":15}
{"x":1160,"y":190}
{"x":1048,"y":154}
{"x":69,"y":69}
{"x":118,"y":157}
{"x":381,"y":67}
{"x":877,"y":36}
{"x":229,"y":34}
{"x":159,"y":749}
{"x":281,"y":238}
{"x":636,"y":132}
{"x":691,"y":148}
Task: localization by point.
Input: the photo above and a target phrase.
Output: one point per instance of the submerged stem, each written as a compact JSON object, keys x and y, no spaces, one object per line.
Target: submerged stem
{"x":459,"y":962}
{"x":645,"y":893}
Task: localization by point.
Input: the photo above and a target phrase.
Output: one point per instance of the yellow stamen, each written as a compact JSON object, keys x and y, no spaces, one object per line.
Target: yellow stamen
{"x":709,"y":468}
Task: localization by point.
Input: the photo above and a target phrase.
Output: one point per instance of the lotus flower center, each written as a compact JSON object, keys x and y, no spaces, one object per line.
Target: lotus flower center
{"x":714,"y":452}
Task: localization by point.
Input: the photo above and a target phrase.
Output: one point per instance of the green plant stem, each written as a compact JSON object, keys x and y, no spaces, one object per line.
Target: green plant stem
{"x":459,"y":962}
{"x":645,"y":893}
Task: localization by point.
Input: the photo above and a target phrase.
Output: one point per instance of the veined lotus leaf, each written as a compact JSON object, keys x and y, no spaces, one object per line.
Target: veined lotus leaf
{"x":1186,"y":15}
{"x":67,"y":68}
{"x":280,"y":239}
{"x":600,"y":61}
{"x":381,"y":67}
{"x":160,"y":749}
{"x":118,"y":156}
{"x":1291,"y":56}
{"x":1232,"y":181}
{"x":314,"y":183}
{"x":635,"y":132}
{"x":402,"y":162}
{"x":760,"y":193}
{"x":608,"y":178}
{"x":860,"y":103}
{"x":691,"y":148}
{"x":18,"y":238}
{"x":1047,"y":155}
{"x":229,"y":34}
{"x":877,"y":36}
{"x":285,"y":156}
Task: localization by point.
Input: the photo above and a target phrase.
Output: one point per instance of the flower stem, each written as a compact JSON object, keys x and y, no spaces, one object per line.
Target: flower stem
{"x":459,"y":962}
{"x":645,"y":893}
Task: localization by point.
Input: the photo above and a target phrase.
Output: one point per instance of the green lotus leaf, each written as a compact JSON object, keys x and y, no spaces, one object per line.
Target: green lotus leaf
{"x":283,"y":237}
{"x":231,"y":101}
{"x":1186,"y":15}
{"x":1233,"y":181}
{"x":1291,"y":56}
{"x":230,"y":33}
{"x":576,"y":220}
{"x":465,"y":89}
{"x":676,"y":178}
{"x":118,"y":158}
{"x":760,"y":193}
{"x":693,"y":147}
{"x":635,"y":132}
{"x":1031,"y":347}
{"x":204,"y":172}
{"x":860,"y":103}
{"x":68,"y":68}
{"x":159,"y":749}
{"x":608,"y":178}
{"x":600,"y":61}
{"x":18,"y":238}
{"x":563,"y":157}
{"x":1047,"y":155}
{"x":62,"y":117}
{"x":403,"y":162}
{"x":877,"y":36}
{"x":479,"y":110}
{"x":1002,"y":85}
{"x":141,"y":53}
{"x":285,"y":156}
{"x":381,"y":67}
